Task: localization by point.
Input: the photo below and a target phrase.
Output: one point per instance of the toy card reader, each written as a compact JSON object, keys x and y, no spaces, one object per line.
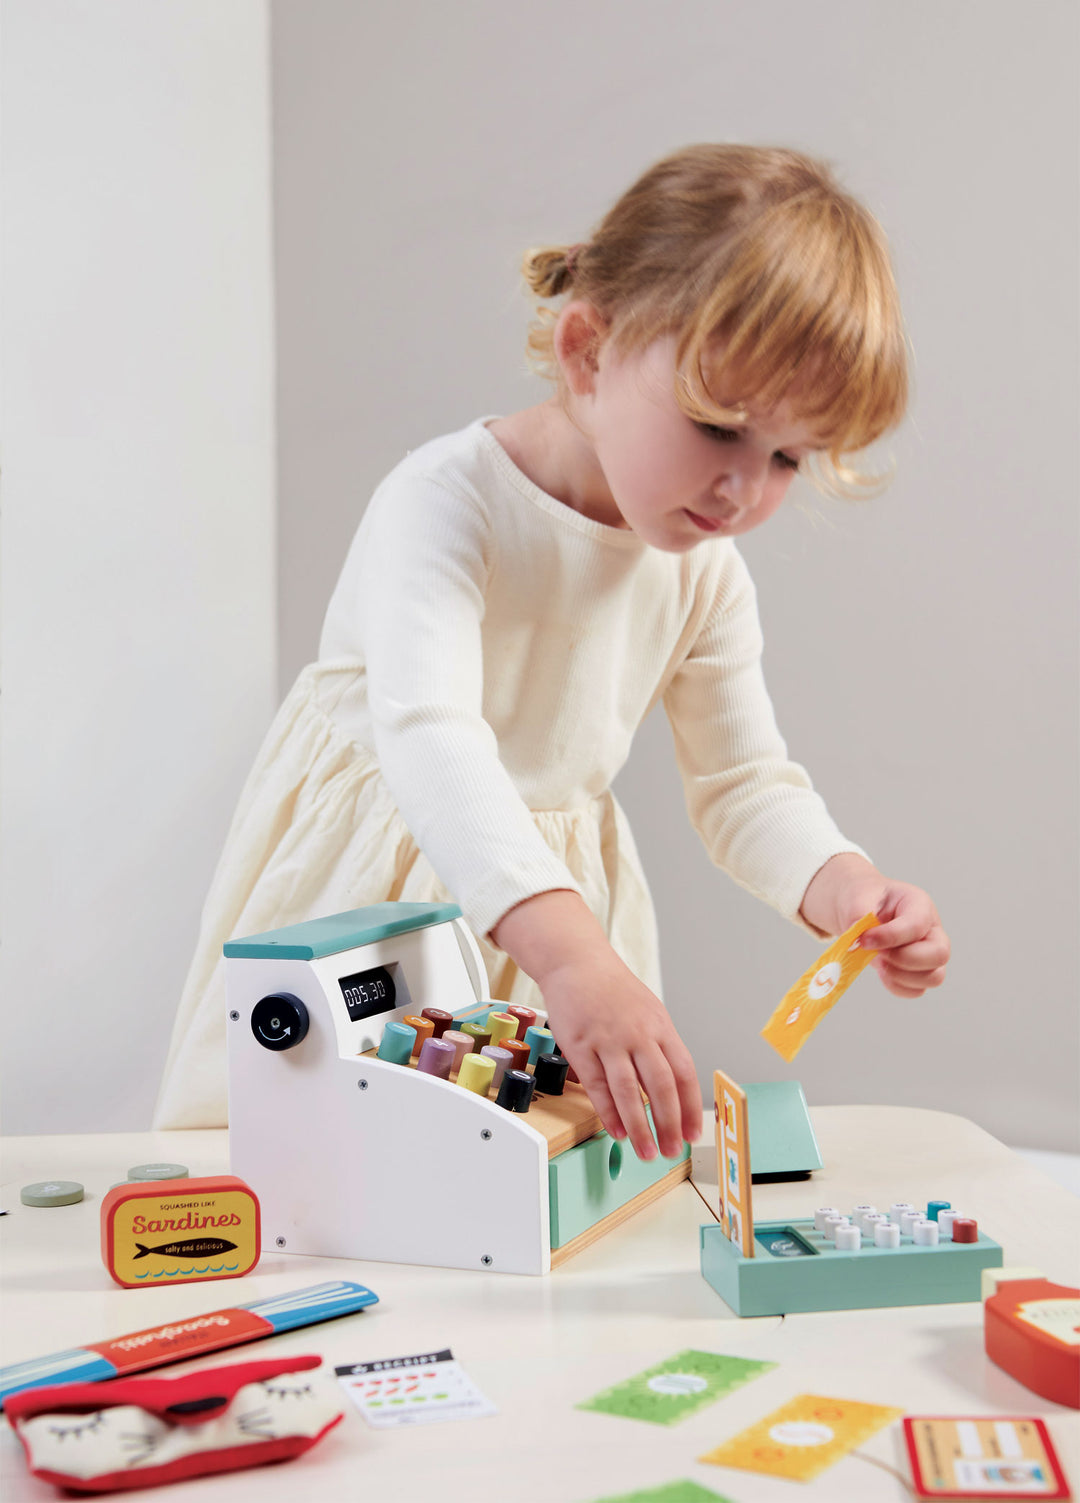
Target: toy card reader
{"x":782,"y":1141}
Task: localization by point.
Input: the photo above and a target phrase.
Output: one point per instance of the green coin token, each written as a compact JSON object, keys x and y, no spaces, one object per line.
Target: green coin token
{"x":51,"y":1192}
{"x":158,"y":1171}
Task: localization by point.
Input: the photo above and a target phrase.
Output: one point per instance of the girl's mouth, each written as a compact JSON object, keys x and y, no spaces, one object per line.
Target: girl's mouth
{"x":703,"y":522}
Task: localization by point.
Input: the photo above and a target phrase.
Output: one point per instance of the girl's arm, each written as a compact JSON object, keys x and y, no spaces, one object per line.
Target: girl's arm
{"x":417,"y":579}
{"x":758,"y":814}
{"x":416,"y":582}
{"x":614,"y":1031}
{"x":755,"y":809}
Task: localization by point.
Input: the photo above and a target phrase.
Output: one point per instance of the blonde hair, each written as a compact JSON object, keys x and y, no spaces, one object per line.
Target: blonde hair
{"x":776,"y":283}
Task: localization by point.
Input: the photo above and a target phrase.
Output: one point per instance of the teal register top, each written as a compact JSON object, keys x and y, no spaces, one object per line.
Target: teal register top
{"x":316,"y":938}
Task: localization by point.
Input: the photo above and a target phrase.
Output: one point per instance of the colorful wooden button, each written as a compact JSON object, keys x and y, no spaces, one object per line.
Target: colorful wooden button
{"x":501,"y":1025}
{"x":476,"y":1073}
{"x":424,"y":1027}
{"x":440,"y":1021}
{"x":525,"y":1016}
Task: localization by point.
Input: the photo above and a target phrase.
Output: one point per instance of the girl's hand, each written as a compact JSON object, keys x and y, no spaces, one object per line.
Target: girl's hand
{"x":615,"y":1032}
{"x":620,"y":1040}
{"x":914,"y":948}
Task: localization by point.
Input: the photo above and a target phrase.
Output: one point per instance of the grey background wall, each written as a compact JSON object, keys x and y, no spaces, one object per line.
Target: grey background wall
{"x":139,"y":650}
{"x":921,"y":649}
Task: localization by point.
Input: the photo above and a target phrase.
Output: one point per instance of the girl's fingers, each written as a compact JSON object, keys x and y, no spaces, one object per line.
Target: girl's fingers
{"x":924,"y":955}
{"x":899,"y":990}
{"x":908,"y":983}
{"x":656,"y":1076}
{"x":688,"y":1087}
{"x":591,"y":1075}
{"x":905,"y":914}
{"x":904,"y":929}
{"x":625,"y":1091}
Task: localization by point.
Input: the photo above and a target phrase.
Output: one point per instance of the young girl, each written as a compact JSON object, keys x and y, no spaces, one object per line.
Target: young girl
{"x":519,"y":596}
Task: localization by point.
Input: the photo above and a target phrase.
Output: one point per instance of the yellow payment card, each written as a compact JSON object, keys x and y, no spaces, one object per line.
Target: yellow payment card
{"x":803,"y":1437}
{"x":818,"y":989}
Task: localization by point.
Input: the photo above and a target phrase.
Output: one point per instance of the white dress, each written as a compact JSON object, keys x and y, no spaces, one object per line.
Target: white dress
{"x":486,"y":658}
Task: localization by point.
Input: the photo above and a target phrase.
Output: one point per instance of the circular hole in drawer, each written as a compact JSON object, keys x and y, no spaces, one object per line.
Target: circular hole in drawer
{"x":614,"y":1163}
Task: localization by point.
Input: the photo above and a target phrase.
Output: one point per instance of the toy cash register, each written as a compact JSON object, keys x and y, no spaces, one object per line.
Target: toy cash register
{"x":357,"y":1150}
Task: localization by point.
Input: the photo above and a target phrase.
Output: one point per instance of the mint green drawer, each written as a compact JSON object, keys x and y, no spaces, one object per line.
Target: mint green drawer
{"x":589,"y":1181}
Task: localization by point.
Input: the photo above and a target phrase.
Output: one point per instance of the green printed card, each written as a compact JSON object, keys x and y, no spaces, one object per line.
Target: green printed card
{"x":677,"y":1388}
{"x":670,"y":1492}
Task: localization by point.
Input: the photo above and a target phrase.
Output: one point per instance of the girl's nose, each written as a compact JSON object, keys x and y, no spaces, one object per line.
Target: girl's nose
{"x":741,"y":486}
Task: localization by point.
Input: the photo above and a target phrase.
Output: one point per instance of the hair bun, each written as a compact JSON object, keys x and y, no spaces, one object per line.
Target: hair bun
{"x":549,"y":271}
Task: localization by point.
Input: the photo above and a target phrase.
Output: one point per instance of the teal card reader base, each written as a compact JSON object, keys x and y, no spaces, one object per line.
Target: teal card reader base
{"x":782,"y":1141}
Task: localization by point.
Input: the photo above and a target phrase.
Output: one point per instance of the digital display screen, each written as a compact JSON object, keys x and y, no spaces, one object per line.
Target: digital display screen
{"x":369,"y":992}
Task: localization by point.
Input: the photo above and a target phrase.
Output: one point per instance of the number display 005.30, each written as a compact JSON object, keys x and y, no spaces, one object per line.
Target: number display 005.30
{"x":369,"y":992}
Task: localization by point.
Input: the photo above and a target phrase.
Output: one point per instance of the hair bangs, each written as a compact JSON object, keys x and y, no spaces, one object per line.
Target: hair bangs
{"x":807,"y":314}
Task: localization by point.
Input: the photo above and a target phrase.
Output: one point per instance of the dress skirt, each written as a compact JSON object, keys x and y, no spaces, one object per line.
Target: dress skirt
{"x":317,"y":832}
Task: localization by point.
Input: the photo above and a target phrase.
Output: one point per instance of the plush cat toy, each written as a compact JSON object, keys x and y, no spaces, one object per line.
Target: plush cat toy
{"x":135,"y":1432}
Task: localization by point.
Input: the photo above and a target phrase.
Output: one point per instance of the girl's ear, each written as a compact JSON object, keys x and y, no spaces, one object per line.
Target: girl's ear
{"x":580,"y":330}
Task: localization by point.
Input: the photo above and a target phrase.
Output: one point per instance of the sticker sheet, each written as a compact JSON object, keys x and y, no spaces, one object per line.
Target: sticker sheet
{"x":982,"y":1457}
{"x":733,"y":1162}
{"x":804,"y":1437}
{"x":818,"y":989}
{"x":677,"y":1388}
{"x":420,"y":1390}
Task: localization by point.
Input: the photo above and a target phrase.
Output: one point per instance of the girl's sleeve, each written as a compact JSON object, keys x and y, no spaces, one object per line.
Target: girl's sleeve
{"x":755,"y":810}
{"x":421,"y":567}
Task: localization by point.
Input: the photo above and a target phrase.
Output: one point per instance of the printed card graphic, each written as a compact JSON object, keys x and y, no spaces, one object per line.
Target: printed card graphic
{"x":677,"y":1388}
{"x":733,"y":1162}
{"x":817,"y":990}
{"x":670,"y":1492}
{"x":803,"y":1437}
{"x":420,"y":1390}
{"x":982,"y":1457}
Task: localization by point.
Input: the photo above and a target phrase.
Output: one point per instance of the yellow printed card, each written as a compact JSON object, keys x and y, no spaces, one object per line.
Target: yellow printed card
{"x":818,"y":989}
{"x":733,"y":1162}
{"x":804,"y":1437}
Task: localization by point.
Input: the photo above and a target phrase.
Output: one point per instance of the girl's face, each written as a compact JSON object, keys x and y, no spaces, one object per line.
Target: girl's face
{"x":671,"y":480}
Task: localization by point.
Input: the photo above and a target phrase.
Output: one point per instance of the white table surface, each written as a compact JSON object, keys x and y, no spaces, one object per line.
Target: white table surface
{"x":537,"y":1346}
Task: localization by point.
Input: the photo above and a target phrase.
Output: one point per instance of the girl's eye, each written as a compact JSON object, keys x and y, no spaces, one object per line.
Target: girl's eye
{"x":732,"y":436}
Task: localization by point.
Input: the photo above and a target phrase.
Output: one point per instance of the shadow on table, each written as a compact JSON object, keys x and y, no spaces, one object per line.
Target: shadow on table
{"x":959,"y":1353}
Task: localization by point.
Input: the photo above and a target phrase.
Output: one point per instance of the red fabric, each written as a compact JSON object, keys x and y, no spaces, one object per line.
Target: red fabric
{"x":157,"y":1395}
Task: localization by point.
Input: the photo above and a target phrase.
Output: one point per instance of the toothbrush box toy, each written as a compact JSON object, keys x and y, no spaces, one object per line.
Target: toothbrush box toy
{"x":358,"y":1156}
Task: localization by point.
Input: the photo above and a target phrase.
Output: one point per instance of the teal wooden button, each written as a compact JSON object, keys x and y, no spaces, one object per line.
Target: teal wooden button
{"x":396,"y":1044}
{"x":51,"y":1192}
{"x":540,"y":1041}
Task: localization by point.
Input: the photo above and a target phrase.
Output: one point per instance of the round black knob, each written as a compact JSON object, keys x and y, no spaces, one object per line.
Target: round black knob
{"x":279,"y":1021}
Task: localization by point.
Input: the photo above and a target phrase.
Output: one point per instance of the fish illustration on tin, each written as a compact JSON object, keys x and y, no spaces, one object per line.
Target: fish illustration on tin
{"x":194,"y":1247}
